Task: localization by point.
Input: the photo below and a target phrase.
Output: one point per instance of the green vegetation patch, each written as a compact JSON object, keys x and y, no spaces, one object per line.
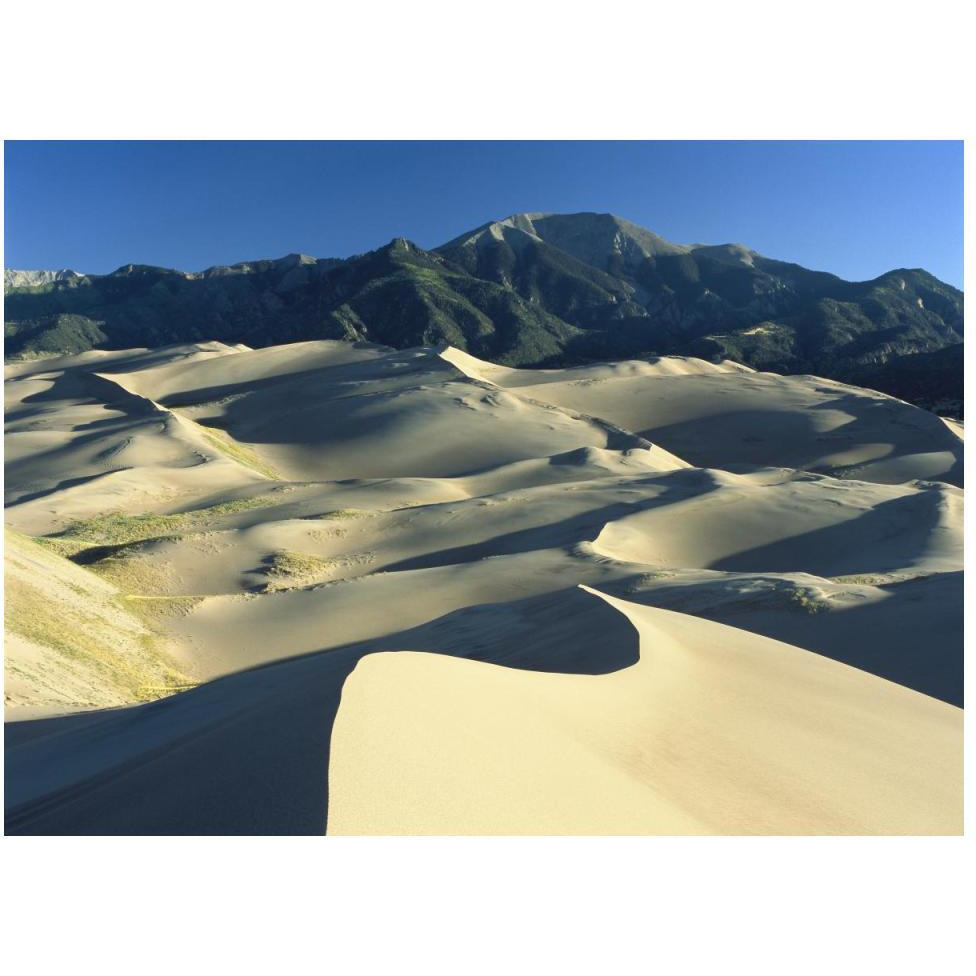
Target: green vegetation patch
{"x":287,"y":570}
{"x":221,"y":441}
{"x":128,"y":569}
{"x":132,"y":663}
{"x":343,"y":513}
{"x":151,"y":608}
{"x":118,"y":529}
{"x":807,"y":601}
{"x":67,"y":547}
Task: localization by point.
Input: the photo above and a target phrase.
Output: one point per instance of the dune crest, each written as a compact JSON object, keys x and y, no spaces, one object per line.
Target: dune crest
{"x":710,"y":732}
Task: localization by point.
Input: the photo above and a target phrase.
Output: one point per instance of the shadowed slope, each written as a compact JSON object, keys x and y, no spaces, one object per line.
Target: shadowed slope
{"x":725,"y":416}
{"x":250,"y":752}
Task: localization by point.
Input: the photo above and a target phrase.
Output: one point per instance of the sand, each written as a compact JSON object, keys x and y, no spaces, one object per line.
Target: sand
{"x":725,"y":415}
{"x":712,"y":732}
{"x":264,"y":523}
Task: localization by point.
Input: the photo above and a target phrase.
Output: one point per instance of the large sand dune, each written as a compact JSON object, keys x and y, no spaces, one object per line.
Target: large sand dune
{"x":264,"y":523}
{"x":713,"y":731}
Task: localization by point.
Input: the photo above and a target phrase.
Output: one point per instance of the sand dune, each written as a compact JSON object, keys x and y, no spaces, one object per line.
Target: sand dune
{"x":687,"y":518}
{"x":711,"y":732}
{"x":360,"y":419}
{"x":907,"y":630}
{"x":266,"y":522}
{"x":105,"y":360}
{"x":74,"y":430}
{"x":725,"y":415}
{"x":803,"y":524}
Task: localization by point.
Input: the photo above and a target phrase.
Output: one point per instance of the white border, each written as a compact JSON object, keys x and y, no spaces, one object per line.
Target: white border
{"x":513,"y":70}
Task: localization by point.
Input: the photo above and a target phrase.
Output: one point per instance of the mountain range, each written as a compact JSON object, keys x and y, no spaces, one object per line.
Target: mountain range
{"x":531,"y":290}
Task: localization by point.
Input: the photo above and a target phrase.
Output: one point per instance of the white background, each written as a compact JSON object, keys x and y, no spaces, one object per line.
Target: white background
{"x":502,"y":70}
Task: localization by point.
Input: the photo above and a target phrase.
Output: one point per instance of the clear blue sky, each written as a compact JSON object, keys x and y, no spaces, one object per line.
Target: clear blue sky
{"x":854,"y":208}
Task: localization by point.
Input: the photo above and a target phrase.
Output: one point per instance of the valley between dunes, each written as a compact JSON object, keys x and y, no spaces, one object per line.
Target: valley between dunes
{"x":335,"y":587}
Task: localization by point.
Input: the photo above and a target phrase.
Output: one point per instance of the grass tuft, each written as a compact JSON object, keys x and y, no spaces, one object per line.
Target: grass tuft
{"x":288,"y":570}
{"x":221,"y":441}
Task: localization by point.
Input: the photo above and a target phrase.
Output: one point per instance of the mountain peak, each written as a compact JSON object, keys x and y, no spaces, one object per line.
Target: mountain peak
{"x":13,"y":278}
{"x":294,"y":260}
{"x":734,"y":254}
{"x":593,"y":238}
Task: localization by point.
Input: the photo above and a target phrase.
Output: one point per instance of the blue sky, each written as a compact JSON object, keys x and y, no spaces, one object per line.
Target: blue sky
{"x":854,"y":208}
